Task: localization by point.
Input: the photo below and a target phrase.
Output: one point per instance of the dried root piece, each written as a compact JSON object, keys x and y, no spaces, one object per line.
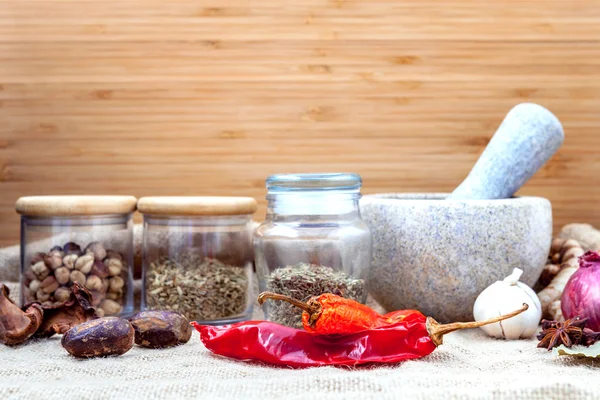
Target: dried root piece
{"x":16,"y":325}
{"x":585,"y":234}
{"x":563,"y":253}
{"x":60,"y":317}
{"x":562,"y":263}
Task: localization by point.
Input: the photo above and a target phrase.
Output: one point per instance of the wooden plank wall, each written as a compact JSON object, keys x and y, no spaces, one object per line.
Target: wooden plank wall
{"x":149,"y":97}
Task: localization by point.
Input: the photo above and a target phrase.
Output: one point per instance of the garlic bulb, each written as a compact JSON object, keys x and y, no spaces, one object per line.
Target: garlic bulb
{"x":504,"y":296}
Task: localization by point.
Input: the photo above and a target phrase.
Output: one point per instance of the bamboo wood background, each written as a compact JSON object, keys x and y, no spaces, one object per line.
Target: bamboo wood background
{"x":149,"y":97}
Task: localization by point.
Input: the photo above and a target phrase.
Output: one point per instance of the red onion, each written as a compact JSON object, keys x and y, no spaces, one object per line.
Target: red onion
{"x":581,"y":296}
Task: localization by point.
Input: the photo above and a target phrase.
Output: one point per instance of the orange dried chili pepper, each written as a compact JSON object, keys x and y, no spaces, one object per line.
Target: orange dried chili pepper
{"x":331,"y":314}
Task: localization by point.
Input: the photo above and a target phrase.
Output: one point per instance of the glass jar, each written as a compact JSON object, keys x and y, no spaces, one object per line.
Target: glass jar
{"x":83,"y":239}
{"x":197,"y":257}
{"x":312,"y":241}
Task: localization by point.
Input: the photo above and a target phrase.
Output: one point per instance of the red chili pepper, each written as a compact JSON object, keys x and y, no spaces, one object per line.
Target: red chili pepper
{"x":414,"y":336}
{"x":328,"y":313}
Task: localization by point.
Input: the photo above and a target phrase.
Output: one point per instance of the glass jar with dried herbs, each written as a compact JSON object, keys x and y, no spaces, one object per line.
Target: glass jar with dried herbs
{"x":197,"y":257}
{"x":312,"y":241}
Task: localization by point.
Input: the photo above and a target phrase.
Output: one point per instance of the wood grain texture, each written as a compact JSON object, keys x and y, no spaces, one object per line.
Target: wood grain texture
{"x":209,"y":97}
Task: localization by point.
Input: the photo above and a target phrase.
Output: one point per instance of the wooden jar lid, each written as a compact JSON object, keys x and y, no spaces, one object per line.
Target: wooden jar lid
{"x":54,"y":206}
{"x":196,"y":206}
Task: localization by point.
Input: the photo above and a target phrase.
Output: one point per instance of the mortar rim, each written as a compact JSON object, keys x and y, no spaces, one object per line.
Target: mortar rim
{"x":437,"y":197}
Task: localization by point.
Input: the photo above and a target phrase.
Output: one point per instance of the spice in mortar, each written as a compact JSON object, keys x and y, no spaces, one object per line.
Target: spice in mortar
{"x":303,"y":281}
{"x":202,"y":289}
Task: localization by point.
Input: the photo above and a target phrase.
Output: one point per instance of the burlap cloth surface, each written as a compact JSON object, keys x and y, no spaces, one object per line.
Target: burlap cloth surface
{"x":468,"y":365}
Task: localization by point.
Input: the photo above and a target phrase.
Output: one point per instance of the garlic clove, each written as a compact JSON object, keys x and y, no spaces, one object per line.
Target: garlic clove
{"x":502,"y":297}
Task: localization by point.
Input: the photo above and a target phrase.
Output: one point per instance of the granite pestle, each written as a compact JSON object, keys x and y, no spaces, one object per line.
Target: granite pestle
{"x":526,"y":139}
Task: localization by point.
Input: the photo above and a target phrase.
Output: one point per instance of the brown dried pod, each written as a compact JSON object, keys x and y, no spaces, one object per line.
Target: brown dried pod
{"x":94,"y":283}
{"x":114,"y":254}
{"x":62,"y":275}
{"x":40,"y":270}
{"x":72,"y":248}
{"x":77,"y":277}
{"x":42,"y":296}
{"x":98,"y":338}
{"x":84,"y":263}
{"x":158,"y":329}
{"x":114,"y":295}
{"x":53,"y":260}
{"x":61,"y":316}
{"x":37,"y":257}
{"x":34,"y":285}
{"x":49,"y":285}
{"x":97,"y":249}
{"x":69,"y":260}
{"x":100,"y":269}
{"x":116,"y":284}
{"x":111,"y":307}
{"x":114,"y":266}
{"x":62,"y":294}
{"x":16,"y":325}
{"x":97,"y":298}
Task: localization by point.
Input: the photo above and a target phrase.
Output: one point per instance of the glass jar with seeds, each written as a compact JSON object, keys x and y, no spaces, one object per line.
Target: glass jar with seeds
{"x":198,"y":257}
{"x":83,"y":239}
{"x":312,"y":241}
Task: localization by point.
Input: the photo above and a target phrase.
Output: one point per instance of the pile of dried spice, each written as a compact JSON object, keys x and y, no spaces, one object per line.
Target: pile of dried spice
{"x":202,"y":289}
{"x":303,"y":281}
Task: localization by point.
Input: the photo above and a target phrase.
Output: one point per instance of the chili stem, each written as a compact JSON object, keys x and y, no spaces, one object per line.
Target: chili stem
{"x":437,"y":331}
{"x":264,"y":296}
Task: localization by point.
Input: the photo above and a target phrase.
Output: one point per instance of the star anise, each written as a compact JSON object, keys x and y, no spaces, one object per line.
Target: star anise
{"x":589,"y":337}
{"x":555,"y":333}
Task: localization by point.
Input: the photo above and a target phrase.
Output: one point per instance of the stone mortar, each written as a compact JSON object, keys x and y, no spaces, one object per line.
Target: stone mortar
{"x":437,"y":256}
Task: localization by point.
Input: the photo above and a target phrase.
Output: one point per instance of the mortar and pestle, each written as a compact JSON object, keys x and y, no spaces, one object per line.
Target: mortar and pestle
{"x":437,"y":252}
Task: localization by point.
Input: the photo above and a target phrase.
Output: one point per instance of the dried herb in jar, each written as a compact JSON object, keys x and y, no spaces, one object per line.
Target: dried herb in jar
{"x":303,"y":281}
{"x":200,"y":288}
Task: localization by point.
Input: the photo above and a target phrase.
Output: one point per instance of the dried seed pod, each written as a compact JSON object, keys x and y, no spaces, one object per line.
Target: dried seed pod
{"x":42,"y":296}
{"x":62,"y":294}
{"x":53,"y":260}
{"x":114,"y":295}
{"x":114,"y":254}
{"x":94,"y":283}
{"x":77,"y":276}
{"x":34,"y":285}
{"x":62,"y":275}
{"x":49,"y":285}
{"x":59,"y":317}
{"x":116,"y":284}
{"x":84,"y":263}
{"x":59,"y":249}
{"x":97,"y":249}
{"x":100,"y":269}
{"x":110,"y":307}
{"x":69,"y":260}
{"x":37,"y":257}
{"x":40,"y":270}
{"x":100,"y":337}
{"x":72,"y":248}
{"x":17,"y":326}
{"x":114,"y":266}
{"x":157,"y":329}
{"x":97,"y":298}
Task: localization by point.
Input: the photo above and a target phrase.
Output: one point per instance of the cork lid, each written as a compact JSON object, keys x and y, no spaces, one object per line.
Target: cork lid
{"x":198,"y":205}
{"x":49,"y":206}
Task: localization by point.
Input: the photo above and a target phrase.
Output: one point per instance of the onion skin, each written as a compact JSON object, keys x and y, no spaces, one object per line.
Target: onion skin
{"x":581,"y":296}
